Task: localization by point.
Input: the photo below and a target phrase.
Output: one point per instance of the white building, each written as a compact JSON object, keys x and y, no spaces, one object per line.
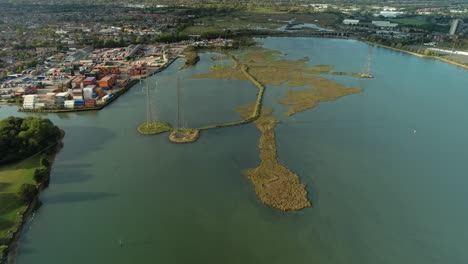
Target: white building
{"x":384,"y":24}
{"x":350,"y":21}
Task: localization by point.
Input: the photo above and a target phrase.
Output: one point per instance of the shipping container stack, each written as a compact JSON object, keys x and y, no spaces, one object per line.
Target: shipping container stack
{"x":78,"y":81}
{"x":69,"y":104}
{"x":139,"y":69}
{"x":89,"y":81}
{"x":60,"y":99}
{"x":99,"y":93}
{"x":107,"y":82}
{"x":40,"y":105}
{"x":90,"y":103}
{"x":107,"y":70}
{"x":30,"y":101}
{"x":78,"y":94}
{"x":89,"y":91}
{"x":79,"y":103}
{"x":94,"y":73}
{"x":107,"y":97}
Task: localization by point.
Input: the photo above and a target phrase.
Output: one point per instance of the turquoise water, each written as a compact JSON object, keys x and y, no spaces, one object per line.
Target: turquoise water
{"x":381,"y":192}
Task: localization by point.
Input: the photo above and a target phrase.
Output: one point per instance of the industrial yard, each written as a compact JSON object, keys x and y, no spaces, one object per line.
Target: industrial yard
{"x":88,"y":78}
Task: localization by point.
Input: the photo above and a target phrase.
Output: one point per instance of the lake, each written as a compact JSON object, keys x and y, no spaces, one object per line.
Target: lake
{"x":385,"y":170}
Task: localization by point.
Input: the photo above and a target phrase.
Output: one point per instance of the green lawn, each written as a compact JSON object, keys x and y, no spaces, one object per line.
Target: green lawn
{"x":415,"y":21}
{"x":12,"y":176}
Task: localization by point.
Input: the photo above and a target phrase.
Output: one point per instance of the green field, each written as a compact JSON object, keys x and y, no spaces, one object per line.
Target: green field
{"x":12,"y":176}
{"x":234,"y":21}
{"x":257,"y":19}
{"x":414,"y":21}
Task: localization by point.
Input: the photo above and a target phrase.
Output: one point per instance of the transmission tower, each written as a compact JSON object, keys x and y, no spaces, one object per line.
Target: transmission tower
{"x":369,"y":59}
{"x":149,"y":103}
{"x":180,"y":105}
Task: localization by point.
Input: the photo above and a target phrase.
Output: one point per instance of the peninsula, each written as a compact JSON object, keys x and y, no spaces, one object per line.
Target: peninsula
{"x":275,"y":185}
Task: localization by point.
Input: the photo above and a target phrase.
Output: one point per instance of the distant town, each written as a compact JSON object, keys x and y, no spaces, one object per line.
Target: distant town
{"x":63,"y":57}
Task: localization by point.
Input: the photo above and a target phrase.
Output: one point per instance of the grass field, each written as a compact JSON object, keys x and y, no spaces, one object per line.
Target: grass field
{"x":414,"y":21}
{"x":257,"y":19}
{"x":11,"y":178}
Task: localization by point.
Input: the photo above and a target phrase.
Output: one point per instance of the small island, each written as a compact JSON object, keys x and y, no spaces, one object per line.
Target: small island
{"x":184,"y":135}
{"x":27,"y":149}
{"x":152,"y":128}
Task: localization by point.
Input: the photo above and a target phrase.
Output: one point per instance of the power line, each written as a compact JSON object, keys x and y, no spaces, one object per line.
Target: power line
{"x":180,"y":105}
{"x":149,"y":103}
{"x":369,"y":59}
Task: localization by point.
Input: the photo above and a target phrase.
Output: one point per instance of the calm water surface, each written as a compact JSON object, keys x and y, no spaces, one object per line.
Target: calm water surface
{"x":381,"y":192}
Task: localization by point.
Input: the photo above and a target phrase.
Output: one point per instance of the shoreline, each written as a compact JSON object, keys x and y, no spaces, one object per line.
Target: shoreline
{"x":458,"y":64}
{"x":9,"y":255}
{"x":455,"y":63}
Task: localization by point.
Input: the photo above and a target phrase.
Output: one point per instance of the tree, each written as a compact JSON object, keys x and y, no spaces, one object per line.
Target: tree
{"x":429,"y":52}
{"x":23,"y":137}
{"x":27,"y":192}
{"x":45,"y":162}
{"x":41,"y":174}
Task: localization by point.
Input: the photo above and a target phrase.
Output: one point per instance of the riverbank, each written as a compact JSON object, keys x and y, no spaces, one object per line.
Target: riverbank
{"x":15,"y":213}
{"x":458,"y":64}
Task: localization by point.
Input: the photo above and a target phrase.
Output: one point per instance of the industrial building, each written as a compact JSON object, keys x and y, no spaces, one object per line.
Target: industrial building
{"x":374,"y":23}
{"x":350,"y":21}
{"x":132,"y":50}
{"x":455,"y":27}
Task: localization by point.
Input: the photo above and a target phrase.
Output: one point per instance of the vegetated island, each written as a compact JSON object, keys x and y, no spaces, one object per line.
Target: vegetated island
{"x":191,"y":57}
{"x":27,"y":149}
{"x":152,"y":128}
{"x":271,"y":68}
{"x":321,"y":90}
{"x":275,"y":185}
